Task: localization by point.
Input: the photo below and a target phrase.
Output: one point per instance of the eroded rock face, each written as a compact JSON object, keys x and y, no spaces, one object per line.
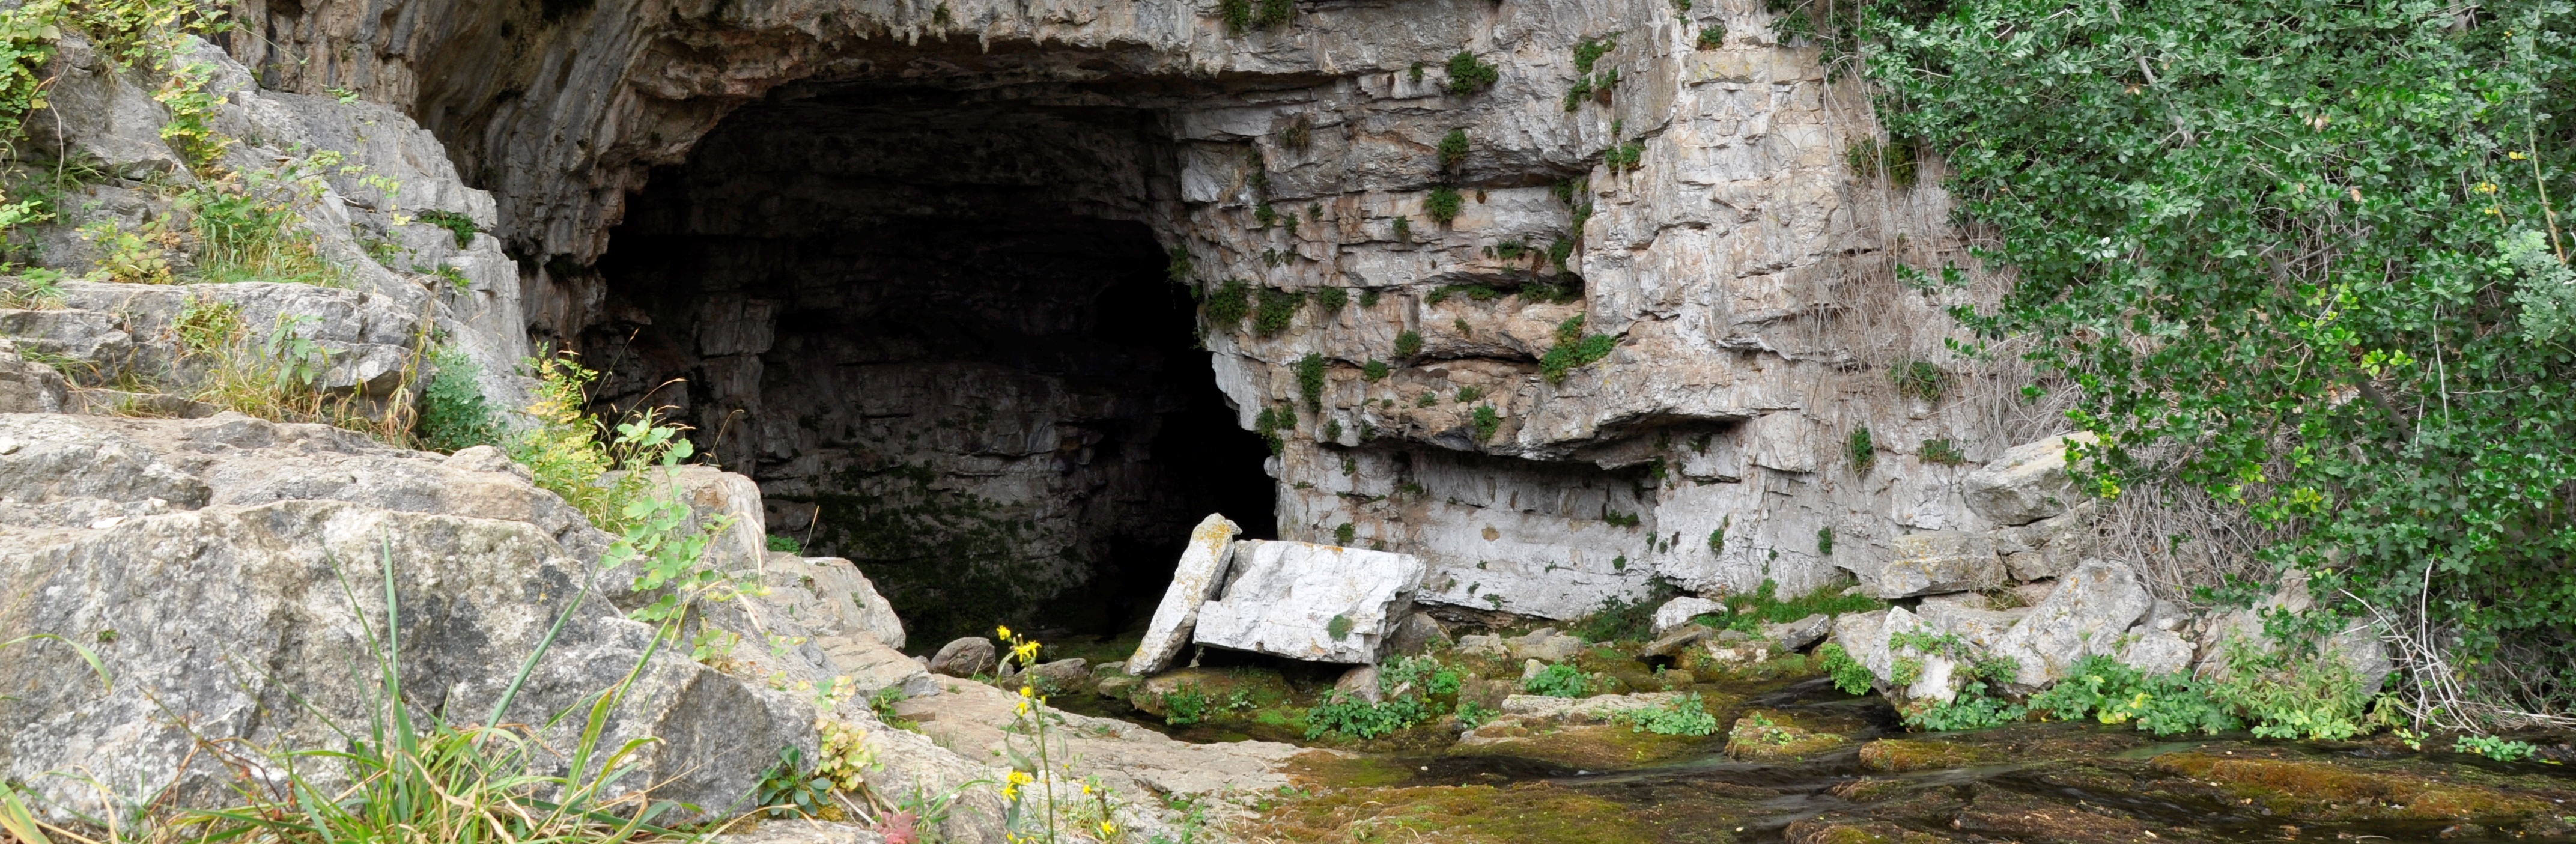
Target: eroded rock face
{"x":230,"y":572}
{"x":1737,"y":274}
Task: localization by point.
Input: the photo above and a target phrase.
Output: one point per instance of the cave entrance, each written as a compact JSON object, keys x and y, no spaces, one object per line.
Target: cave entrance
{"x":938,"y":331}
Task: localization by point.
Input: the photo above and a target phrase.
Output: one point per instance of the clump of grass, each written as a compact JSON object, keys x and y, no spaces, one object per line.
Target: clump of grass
{"x":1944,"y":452}
{"x":1331,"y":300}
{"x":1487,"y":421}
{"x":1919,"y":379}
{"x":1748,"y":612}
{"x":245,"y":227}
{"x":1403,"y":229}
{"x":1443,"y":204}
{"x":1574,"y":349}
{"x":1470,"y":393}
{"x":1408,"y":344}
{"x":1374,"y":370}
{"x":1712,"y":35}
{"x":1299,"y":133}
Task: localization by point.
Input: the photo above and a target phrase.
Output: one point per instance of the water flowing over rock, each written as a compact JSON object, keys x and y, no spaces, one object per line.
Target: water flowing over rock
{"x":1313,"y":602}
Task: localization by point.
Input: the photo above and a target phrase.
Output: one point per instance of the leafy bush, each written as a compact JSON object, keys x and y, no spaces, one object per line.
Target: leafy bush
{"x":1310,"y":380}
{"x":1574,"y":349}
{"x":1683,"y":716}
{"x":1972,"y":709}
{"x":453,"y":412}
{"x":1228,"y":303}
{"x":1408,"y":343}
{"x":1559,"y":680}
{"x":2107,"y":691}
{"x":1351,"y":716}
{"x":1278,"y":308}
{"x":1486,"y":421}
{"x":1849,"y":675}
{"x":1620,"y":618}
{"x":2388,"y":158}
{"x":462,"y":226}
{"x":2291,"y":693}
{"x":1863,"y":450}
{"x":1374,"y":370}
{"x":1186,"y":704}
{"x":1443,"y":204}
{"x":1468,"y":74}
{"x":1453,"y":149}
{"x":1331,"y":299}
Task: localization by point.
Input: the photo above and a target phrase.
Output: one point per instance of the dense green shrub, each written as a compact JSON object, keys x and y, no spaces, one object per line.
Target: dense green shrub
{"x":1277,"y":309}
{"x":1310,"y":380}
{"x":1468,"y":74}
{"x":1573,"y":350}
{"x":453,"y":412}
{"x":1443,"y":204}
{"x":2311,"y":269}
{"x":1228,"y":303}
{"x":1559,"y":680}
{"x":1453,"y":149}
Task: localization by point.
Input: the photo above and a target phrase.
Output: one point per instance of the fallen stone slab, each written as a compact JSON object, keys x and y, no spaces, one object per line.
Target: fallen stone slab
{"x":1680,"y":611}
{"x":1320,"y":603}
{"x":1938,"y":562}
{"x":1201,"y":572}
{"x":2027,"y":484}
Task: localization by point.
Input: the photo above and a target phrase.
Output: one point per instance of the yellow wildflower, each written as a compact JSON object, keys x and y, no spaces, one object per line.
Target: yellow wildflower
{"x":2486,"y":187}
{"x":1108,"y":829}
{"x":1028,"y":691}
{"x":1022,"y":778}
{"x":1004,"y":629}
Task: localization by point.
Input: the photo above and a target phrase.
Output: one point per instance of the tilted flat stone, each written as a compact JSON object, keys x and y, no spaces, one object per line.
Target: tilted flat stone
{"x":1201,"y":572}
{"x":2027,"y":484}
{"x":1680,"y":611}
{"x":1299,"y":600}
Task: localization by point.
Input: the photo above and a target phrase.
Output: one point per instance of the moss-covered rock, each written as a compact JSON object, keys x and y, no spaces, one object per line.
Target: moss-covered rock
{"x":1768,"y":734}
{"x":1902,"y":755}
{"x":2322,"y":790}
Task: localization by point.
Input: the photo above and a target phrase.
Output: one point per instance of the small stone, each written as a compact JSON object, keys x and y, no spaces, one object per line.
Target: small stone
{"x":1801,"y":634}
{"x":965,"y":657}
{"x":1481,"y":644}
{"x":1118,"y":684}
{"x":1680,"y":611}
{"x":1531,"y":668}
{"x":1060,"y":675}
{"x":1673,"y":641}
{"x":1359,"y":682}
{"x":1544,"y":644}
{"x":1417,"y":634}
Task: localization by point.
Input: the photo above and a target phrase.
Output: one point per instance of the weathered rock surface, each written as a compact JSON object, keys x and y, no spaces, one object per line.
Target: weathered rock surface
{"x":1313,"y":602}
{"x":1679,"y":611}
{"x":1937,"y":562}
{"x":2027,"y":484}
{"x":965,"y":656}
{"x":1196,"y":579}
{"x":1543,"y":644}
{"x":1801,"y":634}
{"x":232,"y":570}
{"x":2094,"y":610}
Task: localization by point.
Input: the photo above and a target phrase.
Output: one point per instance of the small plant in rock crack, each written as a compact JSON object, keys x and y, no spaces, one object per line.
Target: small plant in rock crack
{"x":1443,"y":204}
{"x":1228,"y":303}
{"x":1344,"y":534}
{"x":1180,"y":266}
{"x":458,"y":225}
{"x":1943,"y":452}
{"x":1468,"y":74}
{"x":1264,"y":216}
{"x":1487,"y":421}
{"x":1470,"y":393}
{"x":1277,"y":310}
{"x":1408,"y":344}
{"x":1427,"y":400}
{"x":1825,"y":541}
{"x":453,"y":411}
{"x":1574,"y":350}
{"x":1330,"y":300}
{"x":1712,"y":35}
{"x":1374,"y":370}
{"x":1299,"y":133}
{"x":1862,"y":448}
{"x":1453,"y":149}
{"x":1403,"y":230}
{"x":1269,"y":422}
{"x":1310,"y":380}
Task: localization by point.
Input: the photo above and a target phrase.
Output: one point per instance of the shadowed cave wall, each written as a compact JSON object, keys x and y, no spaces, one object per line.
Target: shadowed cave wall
{"x":938,"y":331}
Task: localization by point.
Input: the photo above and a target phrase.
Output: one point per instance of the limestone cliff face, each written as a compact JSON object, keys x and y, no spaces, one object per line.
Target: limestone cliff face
{"x":829,"y":174}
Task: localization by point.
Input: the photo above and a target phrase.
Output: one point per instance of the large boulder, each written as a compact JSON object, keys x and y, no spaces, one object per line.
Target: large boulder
{"x":2049,"y":547}
{"x":2027,"y":484}
{"x":1937,"y":562}
{"x":1300,"y":600}
{"x":1679,"y":611}
{"x":2086,"y":615}
{"x":1200,"y":574}
{"x":231,"y":575}
{"x":2094,"y":610}
{"x":2357,"y":643}
{"x":30,"y":387}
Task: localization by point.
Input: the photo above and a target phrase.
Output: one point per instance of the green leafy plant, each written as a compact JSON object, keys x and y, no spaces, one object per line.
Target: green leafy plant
{"x":1187,"y":704}
{"x":2499,"y":749}
{"x":1269,"y":422}
{"x":453,"y":411}
{"x":1351,"y":716}
{"x":1375,"y":370}
{"x":1310,"y":380}
{"x":1470,"y":393}
{"x":1574,"y":349}
{"x":1277,"y":310}
{"x":1559,"y":680}
{"x":459,"y":225}
{"x":1343,"y":534}
{"x":1943,"y":452}
{"x":1848,"y":674}
{"x":1403,"y":229}
{"x":1682,"y":716}
{"x":2355,"y":377}
{"x":1862,"y":449}
{"x":1468,"y":74}
{"x":1712,"y":35}
{"x":784,"y":544}
{"x":1443,"y":204}
{"x":1825,"y":541}
{"x":1228,"y":303}
{"x":2288,"y":693}
{"x":2107,"y":691}
{"x":1331,"y":299}
{"x":789,"y":788}
{"x":1408,"y":344}
{"x":1919,"y":379}
{"x":1486,"y":422}
{"x":1453,"y":149}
